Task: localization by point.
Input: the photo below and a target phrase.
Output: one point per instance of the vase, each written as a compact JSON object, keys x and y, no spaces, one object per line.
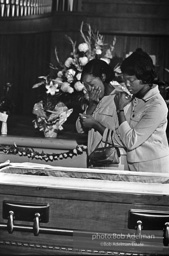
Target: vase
{"x":50,"y":133}
{"x":4,"y":128}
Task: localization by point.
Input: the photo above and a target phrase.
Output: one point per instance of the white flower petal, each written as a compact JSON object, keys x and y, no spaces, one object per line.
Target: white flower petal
{"x":83,"y":47}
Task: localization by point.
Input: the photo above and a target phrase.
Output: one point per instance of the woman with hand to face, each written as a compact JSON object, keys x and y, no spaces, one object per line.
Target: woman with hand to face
{"x":142,"y":129}
{"x":100,"y":112}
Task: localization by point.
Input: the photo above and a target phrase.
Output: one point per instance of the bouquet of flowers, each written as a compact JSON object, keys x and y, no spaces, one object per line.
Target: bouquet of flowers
{"x":50,"y":121}
{"x":63,"y":88}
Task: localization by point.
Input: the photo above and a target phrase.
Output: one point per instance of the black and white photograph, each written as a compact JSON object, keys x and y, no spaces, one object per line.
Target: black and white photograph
{"x":84,"y":127}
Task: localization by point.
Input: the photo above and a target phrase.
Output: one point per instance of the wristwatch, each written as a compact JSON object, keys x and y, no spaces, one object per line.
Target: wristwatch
{"x":119,"y":110}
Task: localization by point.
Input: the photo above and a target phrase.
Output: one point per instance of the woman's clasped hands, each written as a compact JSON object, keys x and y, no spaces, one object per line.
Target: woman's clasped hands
{"x":121,"y":99}
{"x":87,"y":121}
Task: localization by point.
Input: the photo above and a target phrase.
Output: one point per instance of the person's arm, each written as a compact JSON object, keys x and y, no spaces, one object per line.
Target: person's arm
{"x":121,"y":115}
{"x":121,"y":101}
{"x":153,"y":117}
{"x":99,"y":127}
{"x":91,"y":107}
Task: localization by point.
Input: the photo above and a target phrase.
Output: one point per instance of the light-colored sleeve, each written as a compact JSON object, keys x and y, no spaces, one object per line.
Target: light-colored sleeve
{"x":153,"y":117}
{"x":113,"y":136}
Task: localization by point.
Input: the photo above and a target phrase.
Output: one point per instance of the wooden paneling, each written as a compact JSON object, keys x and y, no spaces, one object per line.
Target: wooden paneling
{"x":25,"y":25}
{"x":146,"y":8}
{"x":125,"y":25}
{"x":22,"y":59}
{"x":130,"y":16}
{"x":85,"y":208}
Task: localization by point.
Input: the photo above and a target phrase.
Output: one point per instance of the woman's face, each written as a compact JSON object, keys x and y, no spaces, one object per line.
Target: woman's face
{"x":134,"y":85}
{"x":91,"y":81}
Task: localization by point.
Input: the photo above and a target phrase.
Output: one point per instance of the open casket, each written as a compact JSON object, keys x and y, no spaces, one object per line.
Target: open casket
{"x":60,"y":210}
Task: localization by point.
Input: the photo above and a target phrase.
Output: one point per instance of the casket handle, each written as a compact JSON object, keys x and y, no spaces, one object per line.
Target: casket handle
{"x":151,"y":219}
{"x":166,"y":234}
{"x":36,"y":224}
{"x":36,"y":230}
{"x":10,"y":223}
{"x":26,"y":211}
{"x":38,"y":213}
{"x":138,"y":231}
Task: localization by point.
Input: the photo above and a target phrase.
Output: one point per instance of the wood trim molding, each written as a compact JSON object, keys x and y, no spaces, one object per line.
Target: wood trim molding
{"x":23,"y":25}
{"x":128,"y":2}
{"x":114,"y":24}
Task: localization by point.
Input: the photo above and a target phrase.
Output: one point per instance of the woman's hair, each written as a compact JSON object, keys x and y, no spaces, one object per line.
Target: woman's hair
{"x":140,"y":64}
{"x":97,"y":67}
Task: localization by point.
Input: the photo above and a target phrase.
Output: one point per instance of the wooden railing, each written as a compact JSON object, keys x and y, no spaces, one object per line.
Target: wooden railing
{"x":17,"y":8}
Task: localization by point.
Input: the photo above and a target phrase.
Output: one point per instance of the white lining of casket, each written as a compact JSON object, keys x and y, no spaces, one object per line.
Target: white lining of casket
{"x":83,"y":184}
{"x":30,"y":165}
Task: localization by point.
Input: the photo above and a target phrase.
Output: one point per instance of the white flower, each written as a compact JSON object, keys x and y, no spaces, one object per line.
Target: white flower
{"x":65,"y":87}
{"x":70,"y":79}
{"x":78,"y":76}
{"x":78,"y":86}
{"x":83,"y":47}
{"x":70,"y":73}
{"x":60,"y":74}
{"x":98,"y":51}
{"x":70,"y":90}
{"x":83,"y":60}
{"x":52,"y":88}
{"x":68,"y":62}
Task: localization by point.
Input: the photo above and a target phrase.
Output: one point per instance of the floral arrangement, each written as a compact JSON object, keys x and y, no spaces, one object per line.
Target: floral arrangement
{"x":64,"y":88}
